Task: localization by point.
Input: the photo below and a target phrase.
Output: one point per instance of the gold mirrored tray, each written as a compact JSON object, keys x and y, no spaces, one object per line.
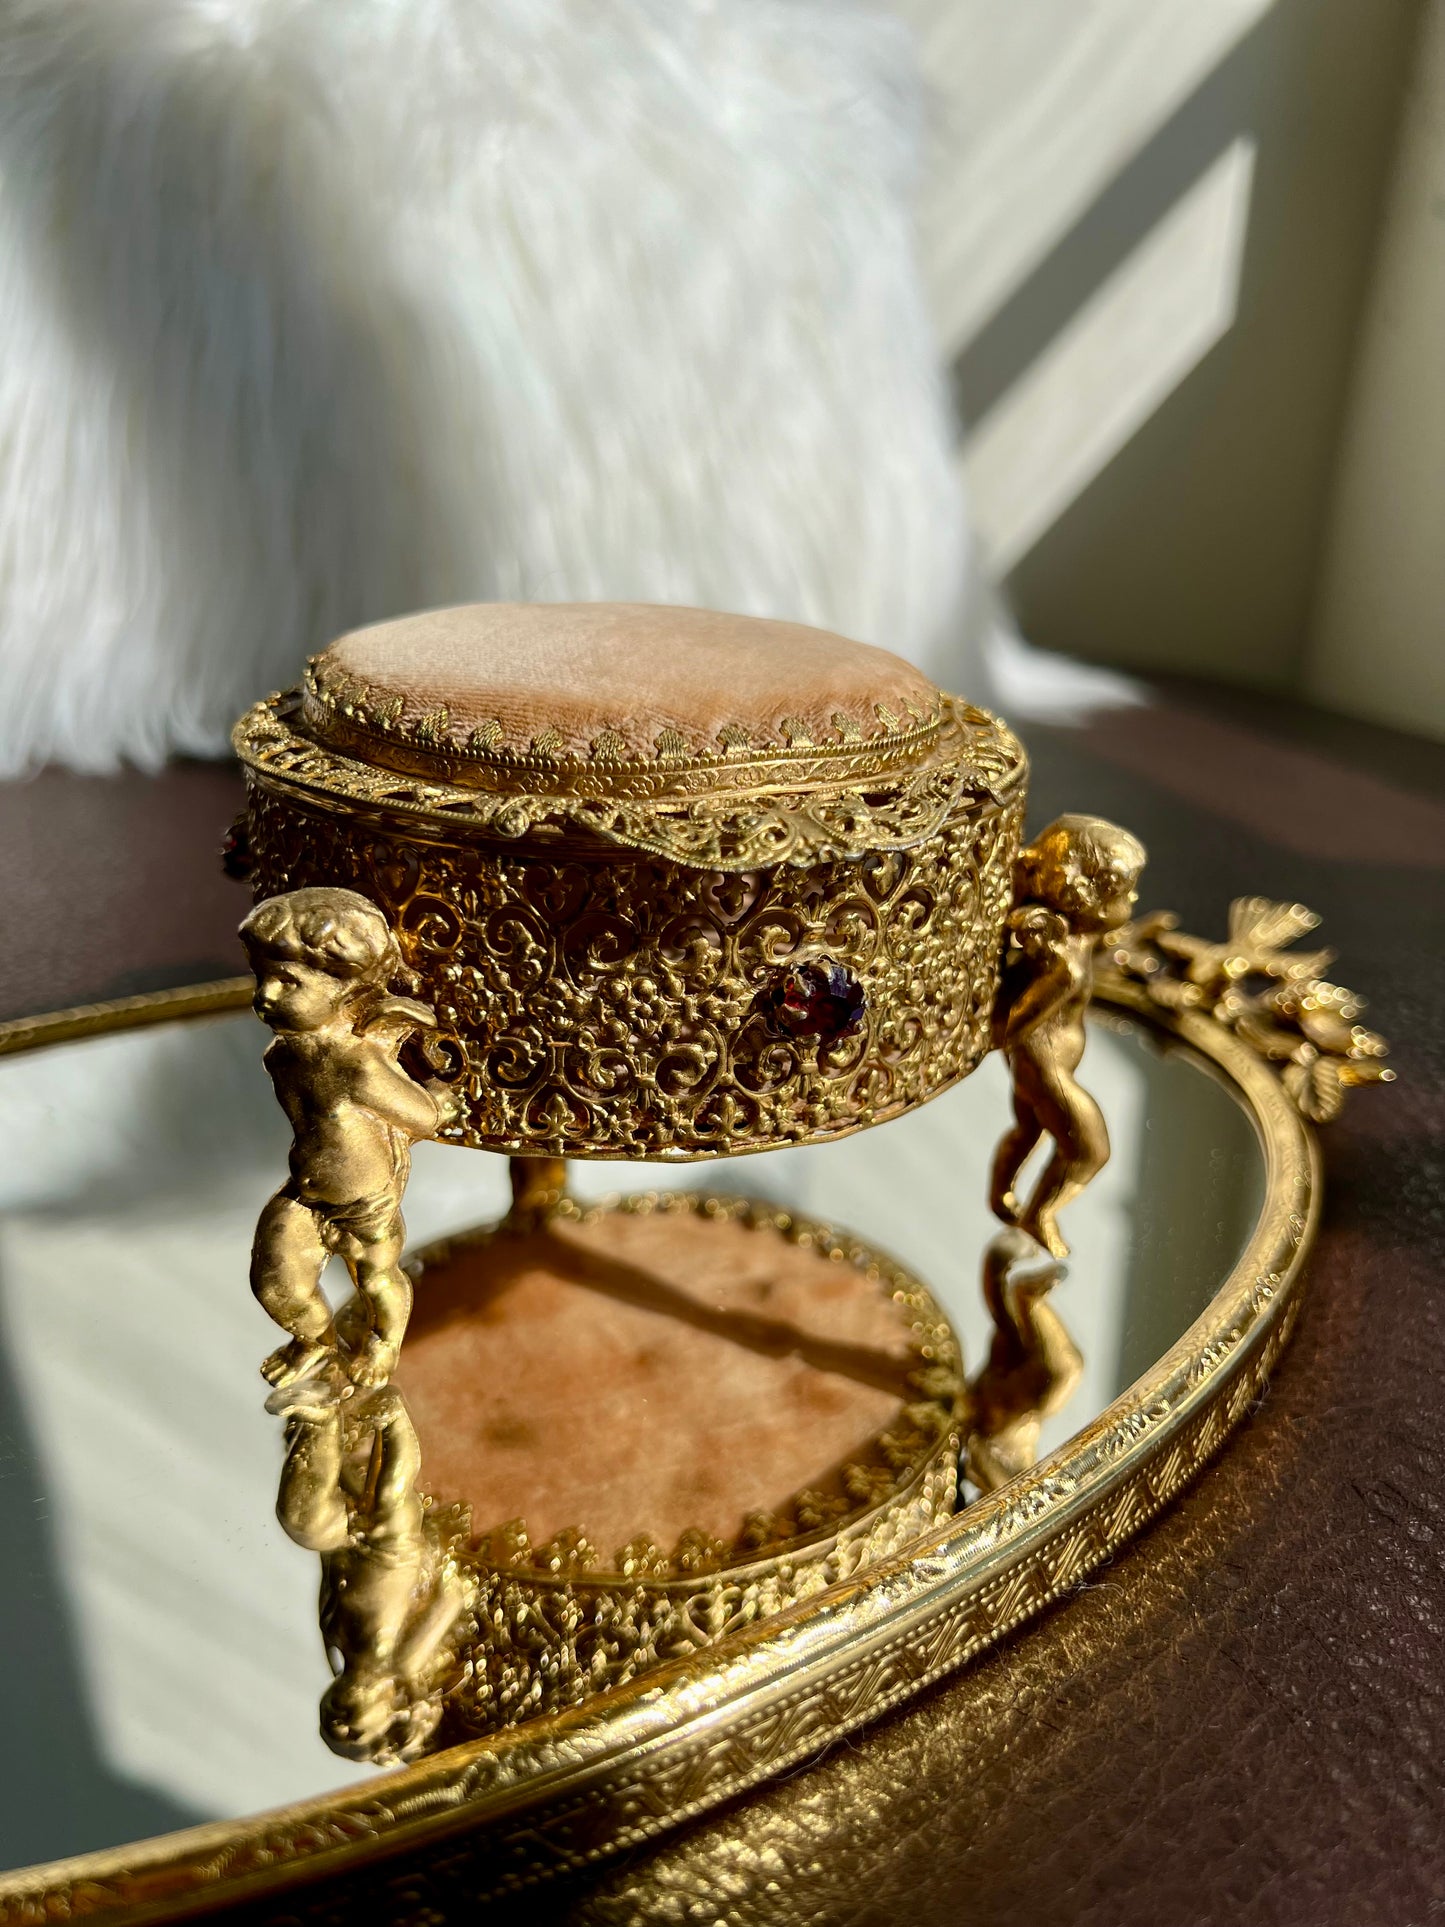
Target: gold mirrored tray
{"x":163,"y":1669}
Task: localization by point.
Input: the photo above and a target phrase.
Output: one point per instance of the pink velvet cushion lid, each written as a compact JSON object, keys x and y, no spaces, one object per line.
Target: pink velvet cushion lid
{"x":625,"y":680}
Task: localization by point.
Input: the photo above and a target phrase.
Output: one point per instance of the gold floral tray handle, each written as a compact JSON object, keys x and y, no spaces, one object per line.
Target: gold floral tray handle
{"x":1277,"y":999}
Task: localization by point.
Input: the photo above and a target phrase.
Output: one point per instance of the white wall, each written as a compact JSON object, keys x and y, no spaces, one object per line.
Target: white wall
{"x":1379,"y":641}
{"x":1149,"y":229}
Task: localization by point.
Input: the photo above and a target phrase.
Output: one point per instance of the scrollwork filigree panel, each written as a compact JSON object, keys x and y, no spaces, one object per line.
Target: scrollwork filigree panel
{"x":618,"y":1005}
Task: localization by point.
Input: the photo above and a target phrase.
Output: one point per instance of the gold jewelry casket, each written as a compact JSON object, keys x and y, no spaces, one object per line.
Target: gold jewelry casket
{"x":677,"y":884}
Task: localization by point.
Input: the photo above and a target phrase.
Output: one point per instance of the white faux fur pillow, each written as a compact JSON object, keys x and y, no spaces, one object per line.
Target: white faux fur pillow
{"x":318,"y":310}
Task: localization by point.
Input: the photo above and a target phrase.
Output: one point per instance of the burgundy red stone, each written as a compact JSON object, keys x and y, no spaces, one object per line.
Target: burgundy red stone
{"x":236,"y":858}
{"x":820,"y":999}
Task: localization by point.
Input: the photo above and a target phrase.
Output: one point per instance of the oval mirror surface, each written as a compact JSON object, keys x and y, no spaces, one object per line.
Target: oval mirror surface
{"x":162,"y":1664}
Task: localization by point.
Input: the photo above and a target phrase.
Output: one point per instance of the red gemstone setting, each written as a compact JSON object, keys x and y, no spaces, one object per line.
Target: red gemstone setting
{"x":236,"y":858}
{"x":819,"y":999}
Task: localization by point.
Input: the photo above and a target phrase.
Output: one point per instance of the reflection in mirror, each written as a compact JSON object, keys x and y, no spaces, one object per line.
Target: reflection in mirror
{"x":1032,"y":1368}
{"x":663,"y":1419}
{"x":164,"y":1663}
{"x":392,"y":1592}
{"x":773,"y":1408}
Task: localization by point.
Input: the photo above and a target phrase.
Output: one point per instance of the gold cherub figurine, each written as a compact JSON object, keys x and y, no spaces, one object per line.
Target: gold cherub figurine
{"x":391,"y":1596}
{"x":1072,"y":885}
{"x":325,"y":960}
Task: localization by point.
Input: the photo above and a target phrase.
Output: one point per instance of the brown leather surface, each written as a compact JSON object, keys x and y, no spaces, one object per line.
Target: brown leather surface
{"x":634,"y":669}
{"x":710,"y":1369}
{"x":1241,"y":1720}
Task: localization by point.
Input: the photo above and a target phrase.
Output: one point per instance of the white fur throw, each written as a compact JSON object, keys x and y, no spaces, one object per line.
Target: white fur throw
{"x":315,"y":311}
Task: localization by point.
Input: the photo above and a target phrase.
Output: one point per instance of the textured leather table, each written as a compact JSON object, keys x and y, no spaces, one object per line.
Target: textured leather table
{"x":1242,"y":1719}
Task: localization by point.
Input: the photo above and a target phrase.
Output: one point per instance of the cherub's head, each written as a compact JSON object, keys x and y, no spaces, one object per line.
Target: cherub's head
{"x":315,"y":954}
{"x":1086,"y":869}
{"x":369,"y":1715}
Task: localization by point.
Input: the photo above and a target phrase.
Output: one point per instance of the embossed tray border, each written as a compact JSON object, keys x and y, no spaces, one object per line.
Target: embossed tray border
{"x":560,"y":1792}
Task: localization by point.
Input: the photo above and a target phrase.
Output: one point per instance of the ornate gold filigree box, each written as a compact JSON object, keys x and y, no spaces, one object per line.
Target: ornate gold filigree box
{"x":677,"y":884}
{"x":619,"y":881}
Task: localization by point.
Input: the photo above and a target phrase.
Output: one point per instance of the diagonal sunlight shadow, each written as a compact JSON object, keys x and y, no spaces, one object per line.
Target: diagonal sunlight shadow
{"x":1116,"y":361}
{"x":1117,"y":314}
{"x":1220,"y":110}
{"x":1033,"y":111}
{"x":508,"y":1260}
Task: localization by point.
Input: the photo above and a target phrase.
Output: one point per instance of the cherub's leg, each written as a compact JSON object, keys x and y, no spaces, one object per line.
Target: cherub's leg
{"x":993,"y":1461}
{"x":1015,"y":1148}
{"x":310,"y":1504}
{"x":1081,"y":1150}
{"x":364,"y":1712}
{"x":399,"y":1457}
{"x":287,"y":1260}
{"x":397,"y":1522}
{"x":375,"y":1267}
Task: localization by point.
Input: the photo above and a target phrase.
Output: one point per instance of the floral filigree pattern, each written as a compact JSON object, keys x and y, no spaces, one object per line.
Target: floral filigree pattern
{"x":620,"y":1005}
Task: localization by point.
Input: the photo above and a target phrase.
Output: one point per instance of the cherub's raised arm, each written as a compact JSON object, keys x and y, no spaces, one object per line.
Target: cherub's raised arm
{"x":383,"y":1087}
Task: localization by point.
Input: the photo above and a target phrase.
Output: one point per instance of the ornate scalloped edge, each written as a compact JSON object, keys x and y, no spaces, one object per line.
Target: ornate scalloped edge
{"x":974,"y":762}
{"x":559,"y":1793}
{"x":351,"y":715}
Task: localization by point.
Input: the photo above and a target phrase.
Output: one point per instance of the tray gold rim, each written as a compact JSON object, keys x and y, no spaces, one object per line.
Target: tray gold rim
{"x":560,"y":1792}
